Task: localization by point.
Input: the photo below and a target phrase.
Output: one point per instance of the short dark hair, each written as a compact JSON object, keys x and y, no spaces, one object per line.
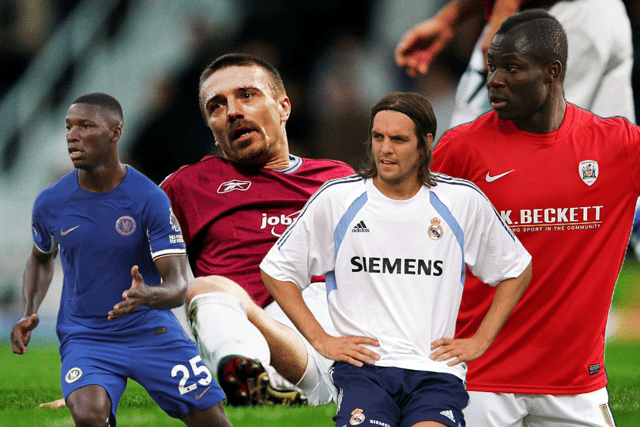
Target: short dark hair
{"x":546,"y":40}
{"x":103,"y":100}
{"x":420,"y":111}
{"x":242,"y":60}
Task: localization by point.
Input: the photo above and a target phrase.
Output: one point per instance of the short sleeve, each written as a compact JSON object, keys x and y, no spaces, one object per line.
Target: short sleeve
{"x":307,"y":247}
{"x":492,"y":252}
{"x":163,"y":228}
{"x":42,"y":237}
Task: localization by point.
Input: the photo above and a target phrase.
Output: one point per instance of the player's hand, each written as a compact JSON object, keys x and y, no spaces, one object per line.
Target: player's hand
{"x":21,"y":333}
{"x":349,"y":349}
{"x":133,"y":297}
{"x":420,"y":46}
{"x":459,"y":350}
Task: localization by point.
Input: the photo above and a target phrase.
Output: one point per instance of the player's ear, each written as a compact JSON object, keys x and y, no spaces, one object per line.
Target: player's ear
{"x":285,"y":108}
{"x":553,"y":70}
{"x":116,"y":133}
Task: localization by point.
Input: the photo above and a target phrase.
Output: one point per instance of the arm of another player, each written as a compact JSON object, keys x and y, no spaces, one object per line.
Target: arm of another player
{"x":35,"y":283}
{"x":345,"y":349}
{"x":502,"y":9}
{"x":507,"y":296}
{"x":170,"y":293}
{"x":420,"y":45}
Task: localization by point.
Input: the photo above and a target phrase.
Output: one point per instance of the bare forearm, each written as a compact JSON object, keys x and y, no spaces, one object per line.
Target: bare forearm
{"x":505,"y":300}
{"x":36,"y":280}
{"x":464,"y":349}
{"x":171,"y":293}
{"x":458,"y":11}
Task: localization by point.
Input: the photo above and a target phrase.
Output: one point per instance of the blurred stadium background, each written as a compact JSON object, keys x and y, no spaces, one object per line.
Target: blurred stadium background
{"x":336,"y":59}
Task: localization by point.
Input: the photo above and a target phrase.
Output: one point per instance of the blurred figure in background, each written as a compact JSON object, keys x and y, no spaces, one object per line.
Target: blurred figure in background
{"x":600,"y":52}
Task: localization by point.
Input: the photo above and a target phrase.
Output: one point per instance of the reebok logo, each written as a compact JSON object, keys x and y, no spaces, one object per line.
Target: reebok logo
{"x":233,"y":185}
{"x":360,"y":228}
{"x":490,"y":178}
{"x":448,"y":414}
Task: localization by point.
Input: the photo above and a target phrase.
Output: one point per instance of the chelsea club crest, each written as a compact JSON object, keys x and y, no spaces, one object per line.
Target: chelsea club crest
{"x":588,"y":170}
{"x":126,"y":225}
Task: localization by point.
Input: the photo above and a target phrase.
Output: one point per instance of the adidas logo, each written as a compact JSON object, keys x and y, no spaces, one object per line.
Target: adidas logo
{"x":448,"y":414}
{"x":360,"y":228}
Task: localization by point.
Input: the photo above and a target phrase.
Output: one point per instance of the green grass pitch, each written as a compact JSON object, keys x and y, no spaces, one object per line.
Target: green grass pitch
{"x":26,"y":381}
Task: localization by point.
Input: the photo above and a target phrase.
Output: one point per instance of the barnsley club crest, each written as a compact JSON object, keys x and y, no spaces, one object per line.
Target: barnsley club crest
{"x":588,"y":170}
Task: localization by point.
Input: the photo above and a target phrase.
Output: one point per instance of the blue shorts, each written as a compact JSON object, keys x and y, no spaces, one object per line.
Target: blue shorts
{"x":173,"y":374}
{"x":395,"y":397}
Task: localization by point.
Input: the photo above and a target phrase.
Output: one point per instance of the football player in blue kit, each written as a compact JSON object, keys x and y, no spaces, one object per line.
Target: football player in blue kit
{"x":124,"y":267}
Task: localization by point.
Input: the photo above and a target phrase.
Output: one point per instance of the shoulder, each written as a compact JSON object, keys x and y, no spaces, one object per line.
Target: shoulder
{"x":138,"y":181}
{"x":59,"y":191}
{"x":206,"y":166}
{"x":456,"y":188}
{"x":341,"y":188}
{"x":333,"y":168}
{"x":140,"y":188}
{"x":606,"y":127}
{"x":470,"y":132}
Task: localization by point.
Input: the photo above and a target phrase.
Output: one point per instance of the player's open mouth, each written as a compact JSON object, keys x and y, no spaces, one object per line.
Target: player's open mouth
{"x":74,"y":153}
{"x":497,"y":102}
{"x":239,"y":133}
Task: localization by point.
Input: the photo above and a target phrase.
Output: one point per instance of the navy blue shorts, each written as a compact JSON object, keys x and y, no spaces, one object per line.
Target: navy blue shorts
{"x":395,"y":397}
{"x":173,"y":374}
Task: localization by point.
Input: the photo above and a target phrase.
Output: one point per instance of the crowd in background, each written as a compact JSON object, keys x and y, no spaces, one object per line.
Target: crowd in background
{"x":334,"y":62}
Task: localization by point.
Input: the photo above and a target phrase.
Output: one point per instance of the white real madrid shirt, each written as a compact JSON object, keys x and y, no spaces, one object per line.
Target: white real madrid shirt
{"x":395,"y":268}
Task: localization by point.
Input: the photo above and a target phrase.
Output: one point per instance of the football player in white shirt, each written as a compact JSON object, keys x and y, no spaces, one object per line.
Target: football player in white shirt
{"x":394,"y":242}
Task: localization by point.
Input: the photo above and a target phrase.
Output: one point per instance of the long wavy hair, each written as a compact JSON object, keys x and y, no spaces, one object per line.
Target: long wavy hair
{"x":420,"y":111}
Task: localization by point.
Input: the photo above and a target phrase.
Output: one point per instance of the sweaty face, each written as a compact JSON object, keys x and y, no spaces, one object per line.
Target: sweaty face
{"x":517,"y":83}
{"x":247,"y":119}
{"x":90,"y":135}
{"x":396,"y":152}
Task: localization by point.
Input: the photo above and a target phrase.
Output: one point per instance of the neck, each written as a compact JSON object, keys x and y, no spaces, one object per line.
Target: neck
{"x":547,"y":119}
{"x":102,"y":178}
{"x":397,"y":191}
{"x":280,"y":160}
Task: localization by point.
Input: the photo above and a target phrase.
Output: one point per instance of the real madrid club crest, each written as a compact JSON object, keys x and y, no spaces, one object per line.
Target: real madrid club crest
{"x":126,"y":225}
{"x":73,"y":375}
{"x":357,"y":417}
{"x":588,"y":170}
{"x":435,"y":231}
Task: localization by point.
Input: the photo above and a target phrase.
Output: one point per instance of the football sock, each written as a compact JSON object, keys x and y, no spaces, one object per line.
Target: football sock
{"x":221,"y":327}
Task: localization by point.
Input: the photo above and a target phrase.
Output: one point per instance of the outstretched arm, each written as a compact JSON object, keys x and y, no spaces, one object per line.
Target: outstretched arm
{"x":169,"y":294}
{"x":420,"y":45}
{"x":502,"y":9}
{"x":507,"y":296}
{"x":35,"y":283}
{"x":345,"y":349}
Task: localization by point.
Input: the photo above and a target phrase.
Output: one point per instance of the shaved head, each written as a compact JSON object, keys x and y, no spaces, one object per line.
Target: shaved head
{"x":107,"y":104}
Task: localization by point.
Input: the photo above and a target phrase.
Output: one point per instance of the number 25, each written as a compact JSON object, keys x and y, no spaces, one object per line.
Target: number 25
{"x":197,"y":370}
